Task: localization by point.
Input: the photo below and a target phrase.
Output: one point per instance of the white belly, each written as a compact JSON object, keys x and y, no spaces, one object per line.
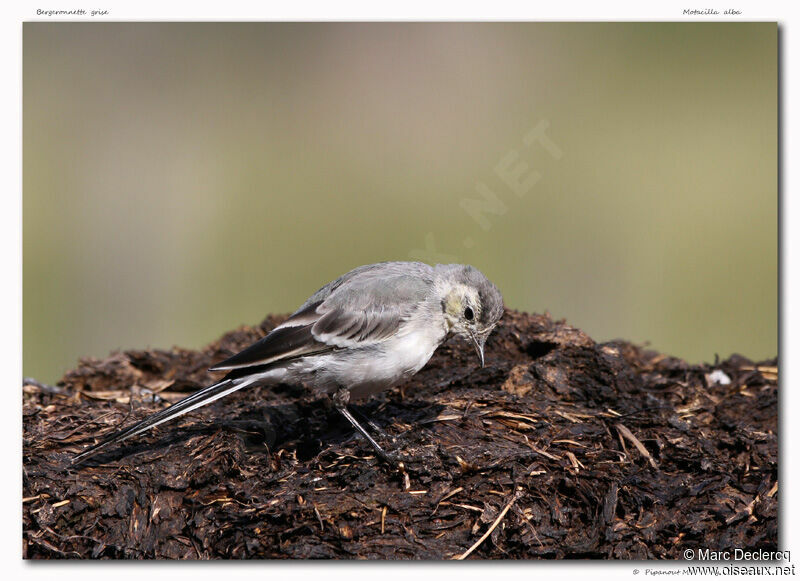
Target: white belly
{"x":368,"y":370}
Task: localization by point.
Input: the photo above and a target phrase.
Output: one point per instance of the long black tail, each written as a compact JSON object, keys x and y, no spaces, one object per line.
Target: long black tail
{"x":187,"y":404}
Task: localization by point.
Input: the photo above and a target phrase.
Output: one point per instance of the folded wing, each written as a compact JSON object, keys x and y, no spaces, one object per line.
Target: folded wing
{"x":362,"y":308}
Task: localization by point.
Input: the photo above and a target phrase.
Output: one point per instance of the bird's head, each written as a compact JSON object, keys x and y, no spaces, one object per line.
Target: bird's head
{"x":472,"y":305}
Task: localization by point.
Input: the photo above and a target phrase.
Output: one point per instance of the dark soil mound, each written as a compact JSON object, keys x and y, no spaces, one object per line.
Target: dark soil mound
{"x":559,"y":448}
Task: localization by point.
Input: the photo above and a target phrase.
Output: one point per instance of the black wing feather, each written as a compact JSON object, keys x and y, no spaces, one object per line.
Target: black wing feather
{"x":281,"y":343}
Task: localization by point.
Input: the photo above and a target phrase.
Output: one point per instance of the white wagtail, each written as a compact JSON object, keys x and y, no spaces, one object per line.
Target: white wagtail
{"x":362,"y":333}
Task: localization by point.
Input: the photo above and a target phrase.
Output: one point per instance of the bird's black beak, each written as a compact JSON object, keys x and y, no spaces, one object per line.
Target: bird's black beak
{"x":479,"y":341}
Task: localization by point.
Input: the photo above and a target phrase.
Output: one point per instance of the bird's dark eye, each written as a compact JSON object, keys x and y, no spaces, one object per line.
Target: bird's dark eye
{"x":468,"y":314}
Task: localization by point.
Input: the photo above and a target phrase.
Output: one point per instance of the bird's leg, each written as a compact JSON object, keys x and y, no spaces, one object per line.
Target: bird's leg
{"x":375,"y":427}
{"x":340,"y":399}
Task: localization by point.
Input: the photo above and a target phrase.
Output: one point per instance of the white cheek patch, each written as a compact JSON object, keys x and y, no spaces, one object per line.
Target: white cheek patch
{"x":459,"y":297}
{"x":453,"y":305}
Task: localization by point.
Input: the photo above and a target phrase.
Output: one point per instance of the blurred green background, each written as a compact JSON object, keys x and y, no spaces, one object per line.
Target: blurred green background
{"x":181,"y":179}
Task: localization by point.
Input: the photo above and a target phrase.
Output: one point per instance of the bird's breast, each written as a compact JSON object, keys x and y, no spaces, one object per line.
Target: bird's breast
{"x":370,"y":369}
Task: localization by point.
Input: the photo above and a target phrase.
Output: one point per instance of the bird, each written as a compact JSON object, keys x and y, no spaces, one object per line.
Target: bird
{"x":364,"y":332}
